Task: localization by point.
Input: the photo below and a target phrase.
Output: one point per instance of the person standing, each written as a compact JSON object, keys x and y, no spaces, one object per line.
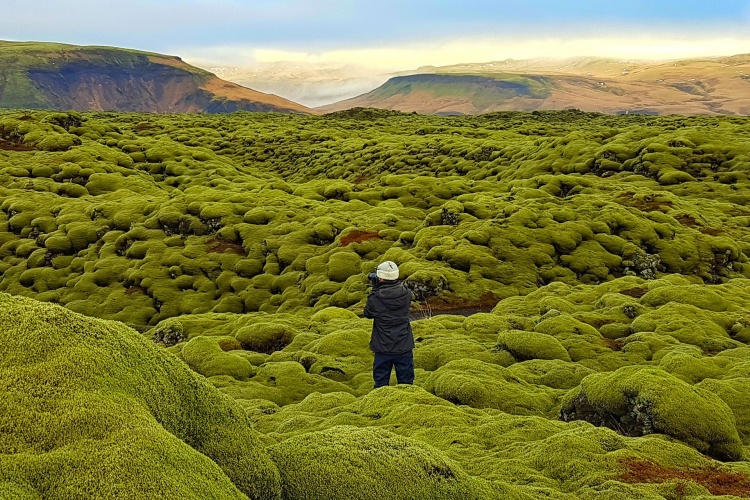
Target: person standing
{"x":392,"y":340}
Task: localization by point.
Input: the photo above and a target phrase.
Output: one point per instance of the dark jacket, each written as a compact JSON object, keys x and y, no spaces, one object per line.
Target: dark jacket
{"x":388,"y":304}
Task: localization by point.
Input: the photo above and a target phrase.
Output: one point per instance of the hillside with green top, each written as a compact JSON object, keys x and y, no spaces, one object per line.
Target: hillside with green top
{"x":704,"y":86}
{"x":55,"y":76}
{"x":182,"y":299}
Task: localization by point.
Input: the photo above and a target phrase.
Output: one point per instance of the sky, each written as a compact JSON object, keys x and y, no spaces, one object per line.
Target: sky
{"x":389,"y":34}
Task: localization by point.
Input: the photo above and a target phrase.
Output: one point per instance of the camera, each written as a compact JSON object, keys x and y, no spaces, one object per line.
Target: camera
{"x":373,"y":279}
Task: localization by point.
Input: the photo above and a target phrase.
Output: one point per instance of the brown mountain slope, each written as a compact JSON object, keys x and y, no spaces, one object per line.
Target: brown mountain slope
{"x":694,"y":86}
{"x":68,"y":77}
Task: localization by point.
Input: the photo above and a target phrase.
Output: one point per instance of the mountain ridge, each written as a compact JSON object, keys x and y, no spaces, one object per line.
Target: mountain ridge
{"x":41,"y":75}
{"x":710,"y":85}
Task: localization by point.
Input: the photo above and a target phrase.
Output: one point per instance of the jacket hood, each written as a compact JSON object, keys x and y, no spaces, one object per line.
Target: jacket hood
{"x":392,"y":294}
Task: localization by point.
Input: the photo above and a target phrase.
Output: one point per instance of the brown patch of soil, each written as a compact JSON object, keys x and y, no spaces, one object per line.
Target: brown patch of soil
{"x":647,"y":204}
{"x":358,"y":237}
{"x":711,"y":231}
{"x":687,"y":220}
{"x":15,"y":146}
{"x":613,"y":344}
{"x":636,"y":293}
{"x":134,"y":289}
{"x":220,"y":246}
{"x":715,"y":480}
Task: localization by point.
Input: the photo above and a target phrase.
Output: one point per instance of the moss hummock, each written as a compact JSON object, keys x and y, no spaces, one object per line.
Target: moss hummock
{"x":370,"y":463}
{"x":639,"y":401}
{"x":91,"y":409}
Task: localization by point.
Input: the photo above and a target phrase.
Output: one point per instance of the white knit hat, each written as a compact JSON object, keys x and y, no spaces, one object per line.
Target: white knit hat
{"x":388,"y":270}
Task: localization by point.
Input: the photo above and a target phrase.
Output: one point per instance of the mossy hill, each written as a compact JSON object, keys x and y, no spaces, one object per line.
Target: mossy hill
{"x":92,"y":410}
{"x":603,"y":259}
{"x":67,"y":77}
{"x":719,"y":85}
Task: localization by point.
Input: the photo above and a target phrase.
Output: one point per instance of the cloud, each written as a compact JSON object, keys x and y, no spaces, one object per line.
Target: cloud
{"x":389,"y":33}
{"x":464,"y":50}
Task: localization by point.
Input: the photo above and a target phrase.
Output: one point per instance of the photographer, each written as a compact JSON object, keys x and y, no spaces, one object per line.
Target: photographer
{"x":392,"y":340}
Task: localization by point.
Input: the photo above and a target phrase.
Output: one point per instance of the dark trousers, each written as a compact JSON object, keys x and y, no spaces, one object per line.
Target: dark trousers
{"x":384,"y":363}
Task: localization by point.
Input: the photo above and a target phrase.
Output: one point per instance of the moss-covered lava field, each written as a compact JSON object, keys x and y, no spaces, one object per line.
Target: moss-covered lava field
{"x":181,"y":315}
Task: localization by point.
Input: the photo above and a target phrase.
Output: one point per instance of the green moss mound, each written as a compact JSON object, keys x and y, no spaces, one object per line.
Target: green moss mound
{"x":207,"y":357}
{"x":265,"y":337}
{"x":641,"y":401}
{"x":483,"y":385}
{"x":530,"y":345}
{"x":349,"y":462}
{"x":91,"y":409}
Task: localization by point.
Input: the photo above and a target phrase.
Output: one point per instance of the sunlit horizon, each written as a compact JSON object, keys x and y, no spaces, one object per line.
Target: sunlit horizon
{"x":480,"y":50}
